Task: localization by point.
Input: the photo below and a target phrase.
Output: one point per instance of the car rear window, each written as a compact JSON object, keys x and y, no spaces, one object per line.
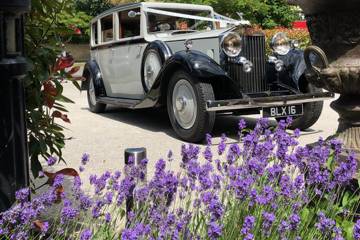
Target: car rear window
{"x":107,"y":30}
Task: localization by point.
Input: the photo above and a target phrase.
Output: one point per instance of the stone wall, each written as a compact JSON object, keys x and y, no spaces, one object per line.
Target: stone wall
{"x":80,"y":52}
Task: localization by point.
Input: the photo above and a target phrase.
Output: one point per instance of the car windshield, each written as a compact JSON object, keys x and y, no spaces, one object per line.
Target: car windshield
{"x":182,"y":21}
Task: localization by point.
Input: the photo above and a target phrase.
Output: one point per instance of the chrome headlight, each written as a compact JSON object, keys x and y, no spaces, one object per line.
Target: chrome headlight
{"x":280,"y":43}
{"x":231,"y":44}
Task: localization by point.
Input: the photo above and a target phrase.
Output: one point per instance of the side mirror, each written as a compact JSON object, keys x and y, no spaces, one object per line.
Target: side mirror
{"x":133,"y":14}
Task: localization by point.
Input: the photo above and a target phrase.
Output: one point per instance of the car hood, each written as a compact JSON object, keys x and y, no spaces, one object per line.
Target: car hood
{"x":184,"y":36}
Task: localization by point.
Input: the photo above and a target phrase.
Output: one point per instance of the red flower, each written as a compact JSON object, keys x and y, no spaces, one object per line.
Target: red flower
{"x":65,"y":61}
{"x":50,"y":92}
{"x":77,"y":31}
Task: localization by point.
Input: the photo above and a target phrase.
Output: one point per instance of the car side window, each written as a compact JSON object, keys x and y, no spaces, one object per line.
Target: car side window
{"x":107,"y":29}
{"x":129,"y":26}
{"x":94,"y":33}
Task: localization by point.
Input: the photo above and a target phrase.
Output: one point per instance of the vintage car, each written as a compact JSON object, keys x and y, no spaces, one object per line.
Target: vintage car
{"x":198,"y":64}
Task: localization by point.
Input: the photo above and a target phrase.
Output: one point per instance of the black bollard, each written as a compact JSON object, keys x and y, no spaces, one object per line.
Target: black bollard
{"x":13,"y":137}
{"x":137,"y":154}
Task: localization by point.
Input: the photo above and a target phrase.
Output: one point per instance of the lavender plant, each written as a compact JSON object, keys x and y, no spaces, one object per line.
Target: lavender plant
{"x":266,"y":186}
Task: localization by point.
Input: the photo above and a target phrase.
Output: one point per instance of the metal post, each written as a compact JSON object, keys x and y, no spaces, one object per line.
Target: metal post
{"x":137,"y":154}
{"x":13,"y":141}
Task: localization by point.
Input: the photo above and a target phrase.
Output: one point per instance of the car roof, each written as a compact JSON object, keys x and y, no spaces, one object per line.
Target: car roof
{"x":154,"y":5}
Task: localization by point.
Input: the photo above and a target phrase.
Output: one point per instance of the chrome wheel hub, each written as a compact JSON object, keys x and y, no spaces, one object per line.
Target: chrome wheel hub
{"x":184,"y":104}
{"x":180,"y":104}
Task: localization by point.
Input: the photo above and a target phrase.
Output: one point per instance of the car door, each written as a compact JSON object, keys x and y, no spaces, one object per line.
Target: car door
{"x":127,"y":57}
{"x":104,"y":53}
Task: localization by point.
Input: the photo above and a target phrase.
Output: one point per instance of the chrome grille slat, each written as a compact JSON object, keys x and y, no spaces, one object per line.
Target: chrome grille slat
{"x":255,"y":81}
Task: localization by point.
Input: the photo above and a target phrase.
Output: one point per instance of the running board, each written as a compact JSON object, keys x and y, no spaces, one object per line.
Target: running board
{"x":121,"y":102}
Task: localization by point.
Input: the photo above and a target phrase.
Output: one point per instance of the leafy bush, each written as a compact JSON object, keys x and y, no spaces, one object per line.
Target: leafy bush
{"x":266,"y":13}
{"x":78,"y":26}
{"x":93,"y":7}
{"x":44,"y":37}
{"x":301,"y":35}
{"x":266,"y":187}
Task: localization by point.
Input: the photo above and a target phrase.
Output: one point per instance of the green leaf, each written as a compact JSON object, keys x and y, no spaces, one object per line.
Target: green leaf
{"x":347,"y":227}
{"x":345,"y":199}
{"x":62,"y":98}
{"x":76,"y":84}
{"x":35,"y":165}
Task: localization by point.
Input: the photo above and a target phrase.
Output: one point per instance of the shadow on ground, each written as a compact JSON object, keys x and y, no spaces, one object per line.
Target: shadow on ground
{"x":157,"y":120}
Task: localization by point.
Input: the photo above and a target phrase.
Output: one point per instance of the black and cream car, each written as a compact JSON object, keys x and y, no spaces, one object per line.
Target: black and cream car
{"x":198,"y":64}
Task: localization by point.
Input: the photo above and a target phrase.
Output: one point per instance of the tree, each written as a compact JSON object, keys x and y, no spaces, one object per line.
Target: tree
{"x":266,"y":13}
{"x":92,"y":7}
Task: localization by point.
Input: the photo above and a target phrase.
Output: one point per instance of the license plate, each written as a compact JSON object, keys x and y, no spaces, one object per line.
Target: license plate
{"x":283,"y":111}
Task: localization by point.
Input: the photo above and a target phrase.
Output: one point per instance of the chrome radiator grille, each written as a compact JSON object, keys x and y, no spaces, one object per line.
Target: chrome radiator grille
{"x":255,"y":81}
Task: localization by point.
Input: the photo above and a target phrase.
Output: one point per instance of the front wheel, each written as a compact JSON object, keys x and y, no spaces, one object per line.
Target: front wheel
{"x":311,"y":114}
{"x":186,"y":105}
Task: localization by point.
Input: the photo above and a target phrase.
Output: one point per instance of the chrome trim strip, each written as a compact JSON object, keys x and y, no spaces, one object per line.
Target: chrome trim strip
{"x":246,"y":103}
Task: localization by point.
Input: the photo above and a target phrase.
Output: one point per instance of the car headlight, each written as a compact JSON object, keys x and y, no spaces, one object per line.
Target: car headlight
{"x":280,"y":43}
{"x":231,"y":44}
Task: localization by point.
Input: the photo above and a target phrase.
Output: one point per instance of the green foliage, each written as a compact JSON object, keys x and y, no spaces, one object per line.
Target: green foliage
{"x":76,"y":21}
{"x":44,"y":35}
{"x":266,"y":13}
{"x":92,"y":7}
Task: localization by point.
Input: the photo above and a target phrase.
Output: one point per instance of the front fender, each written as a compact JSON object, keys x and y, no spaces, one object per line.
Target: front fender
{"x":196,"y":63}
{"x":93,"y":69}
{"x":295,"y":62}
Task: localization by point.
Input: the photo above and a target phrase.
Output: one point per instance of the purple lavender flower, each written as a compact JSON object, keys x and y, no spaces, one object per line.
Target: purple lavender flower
{"x":107,"y":217}
{"x":249,"y":236}
{"x":208,"y":154}
{"x":241,"y":124}
{"x":86,"y":235}
{"x":248,"y":225}
{"x":283,"y":227}
{"x":297,"y":133}
{"x":346,"y":170}
{"x":214,"y":230}
{"x":85,"y":158}
{"x":45,"y":227}
{"x":222,"y":144}
{"x":268,"y":220}
{"x":188,"y":153}
{"x":233,"y":154}
{"x":51,"y":160}
{"x":325,"y":225}
{"x":58,"y":181}
{"x":68,"y":213}
{"x":109,"y":197}
{"x":81,"y":168}
{"x":356,"y":231}
{"x":22,"y":195}
{"x":208,"y":139}
{"x":294,"y":220}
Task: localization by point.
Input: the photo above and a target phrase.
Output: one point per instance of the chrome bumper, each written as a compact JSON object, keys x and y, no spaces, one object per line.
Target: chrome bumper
{"x":261,"y":102}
